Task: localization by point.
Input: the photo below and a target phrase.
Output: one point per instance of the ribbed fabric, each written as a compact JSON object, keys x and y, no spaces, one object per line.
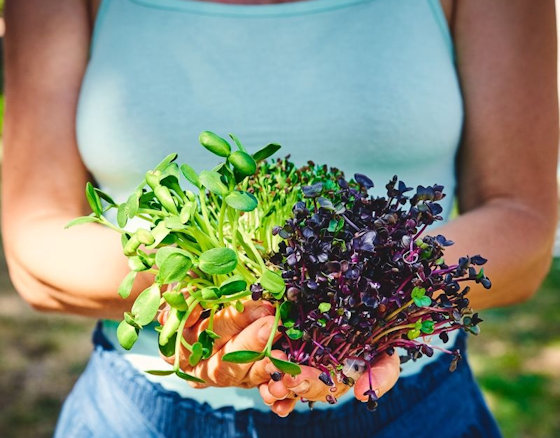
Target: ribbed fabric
{"x":113,"y":400}
{"x":364,"y":85}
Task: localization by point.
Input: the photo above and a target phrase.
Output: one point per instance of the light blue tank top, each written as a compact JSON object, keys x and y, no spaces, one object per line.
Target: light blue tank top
{"x":368,"y":86}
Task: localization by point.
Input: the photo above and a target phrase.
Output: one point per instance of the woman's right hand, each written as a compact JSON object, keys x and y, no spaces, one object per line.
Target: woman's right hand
{"x":282,"y":395}
{"x":247,"y":330}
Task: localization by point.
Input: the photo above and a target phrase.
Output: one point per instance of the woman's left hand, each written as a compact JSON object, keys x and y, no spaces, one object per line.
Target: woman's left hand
{"x":247,"y":330}
{"x":282,"y":395}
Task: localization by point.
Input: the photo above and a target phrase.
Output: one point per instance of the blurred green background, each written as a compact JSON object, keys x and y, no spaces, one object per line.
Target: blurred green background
{"x":516,"y":360}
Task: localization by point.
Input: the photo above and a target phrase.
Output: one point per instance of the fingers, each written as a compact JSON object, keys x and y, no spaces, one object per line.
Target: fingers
{"x":267,"y":397}
{"x":194,"y":316}
{"x":278,"y":390}
{"x":261,"y":371}
{"x":254,"y":337}
{"x":229,"y":322}
{"x":307,"y":384}
{"x":384,"y":374}
{"x":282,"y":408}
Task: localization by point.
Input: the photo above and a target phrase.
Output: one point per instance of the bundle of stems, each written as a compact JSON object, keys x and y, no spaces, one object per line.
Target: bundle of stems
{"x":351,"y":276}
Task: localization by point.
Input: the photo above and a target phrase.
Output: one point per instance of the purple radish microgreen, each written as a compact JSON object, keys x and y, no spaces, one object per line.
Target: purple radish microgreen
{"x":352,"y":276}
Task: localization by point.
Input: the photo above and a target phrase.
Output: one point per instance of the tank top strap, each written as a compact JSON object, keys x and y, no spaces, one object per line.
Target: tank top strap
{"x":439,"y":15}
{"x":97,"y":22}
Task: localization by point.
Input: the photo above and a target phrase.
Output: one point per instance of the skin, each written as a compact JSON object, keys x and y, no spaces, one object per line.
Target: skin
{"x":506,"y":59}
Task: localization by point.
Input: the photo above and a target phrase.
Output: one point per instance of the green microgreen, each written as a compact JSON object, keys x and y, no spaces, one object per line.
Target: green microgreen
{"x":203,"y":248}
{"x":350,"y":275}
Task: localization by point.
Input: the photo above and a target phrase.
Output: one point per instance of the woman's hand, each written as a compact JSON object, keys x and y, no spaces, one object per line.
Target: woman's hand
{"x":282,"y":395}
{"x":250,"y":330}
{"x":247,"y":330}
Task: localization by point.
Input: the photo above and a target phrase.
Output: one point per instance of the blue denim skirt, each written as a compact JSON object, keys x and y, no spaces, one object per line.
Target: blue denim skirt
{"x":113,"y":399}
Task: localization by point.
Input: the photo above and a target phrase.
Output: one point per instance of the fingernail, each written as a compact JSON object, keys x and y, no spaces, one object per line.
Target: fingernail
{"x":374,"y":396}
{"x":302,"y":388}
{"x":291,"y":380}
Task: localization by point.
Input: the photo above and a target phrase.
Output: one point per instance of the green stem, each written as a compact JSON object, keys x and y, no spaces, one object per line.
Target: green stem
{"x":188,"y":245}
{"x":234,"y":237}
{"x":205,"y":240}
{"x":204,"y":210}
{"x":248,"y":260}
{"x":245,"y":273}
{"x":221,"y":221}
{"x":232,"y":298}
{"x":399,"y":310}
{"x":110,"y":225}
{"x":211,"y":318}
{"x":200,"y":282}
{"x":186,"y":344}
{"x":268,"y":346}
{"x":176,"y":362}
{"x":268,"y":236}
{"x":179,"y":340}
{"x":153,"y":212}
{"x":198,"y":272}
{"x":385,"y":333}
{"x":249,"y":243}
{"x":179,"y":191}
{"x":212,"y":206}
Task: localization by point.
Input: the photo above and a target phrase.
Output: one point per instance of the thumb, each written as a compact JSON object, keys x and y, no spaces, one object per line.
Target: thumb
{"x":229,"y":323}
{"x":254,"y":338}
{"x":384,"y":374}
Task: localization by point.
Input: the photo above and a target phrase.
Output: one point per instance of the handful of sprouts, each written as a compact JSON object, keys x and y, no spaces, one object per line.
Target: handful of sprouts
{"x":352,"y":276}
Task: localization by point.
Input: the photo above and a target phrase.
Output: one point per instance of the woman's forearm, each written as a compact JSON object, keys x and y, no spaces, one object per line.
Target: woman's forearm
{"x":76,"y":270}
{"x":517,"y":242}
{"x":43,"y":175}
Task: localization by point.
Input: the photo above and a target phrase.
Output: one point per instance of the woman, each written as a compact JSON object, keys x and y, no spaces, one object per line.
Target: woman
{"x":375,"y":86}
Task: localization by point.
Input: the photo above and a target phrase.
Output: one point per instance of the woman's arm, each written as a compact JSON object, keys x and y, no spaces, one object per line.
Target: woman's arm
{"x":76,"y":270}
{"x":506,"y":54}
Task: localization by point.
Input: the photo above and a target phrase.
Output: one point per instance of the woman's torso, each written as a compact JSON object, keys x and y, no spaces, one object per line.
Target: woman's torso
{"x":364,"y":85}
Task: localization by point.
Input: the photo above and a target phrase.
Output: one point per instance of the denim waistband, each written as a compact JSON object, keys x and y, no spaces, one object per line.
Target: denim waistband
{"x":152,"y":400}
